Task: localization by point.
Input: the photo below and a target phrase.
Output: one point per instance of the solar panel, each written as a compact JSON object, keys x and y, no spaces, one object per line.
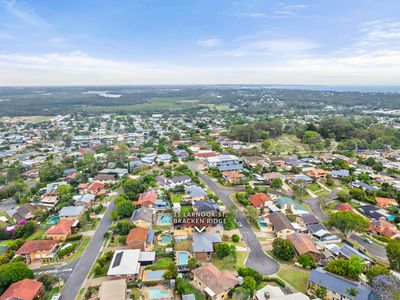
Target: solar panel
{"x":117,"y":260}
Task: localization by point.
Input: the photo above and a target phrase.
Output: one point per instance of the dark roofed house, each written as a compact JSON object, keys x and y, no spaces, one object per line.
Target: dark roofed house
{"x":203,"y":244}
{"x":338,"y":287}
{"x":24,"y":212}
{"x":371,"y":211}
{"x":142,"y":217}
{"x":308,"y":219}
{"x":206,"y":205}
{"x":281,"y":224}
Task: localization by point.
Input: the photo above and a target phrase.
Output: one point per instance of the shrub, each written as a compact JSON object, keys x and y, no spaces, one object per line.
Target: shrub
{"x":235,"y":238}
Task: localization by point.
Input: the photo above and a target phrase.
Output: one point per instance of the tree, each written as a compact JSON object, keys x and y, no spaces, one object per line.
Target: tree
{"x":125,"y":208}
{"x":49,"y":172}
{"x":351,"y":268}
{"x":223,"y":250}
{"x":277,"y":183}
{"x":358,"y":194}
{"x":124,"y":226}
{"x":244,"y":272}
{"x":64,"y":192}
{"x":133,"y":188}
{"x":251,"y":214}
{"x":171,"y":272}
{"x":25,"y":230}
{"x":283,"y":249}
{"x":343,"y":196}
{"x":387,"y":287}
{"x":393,"y":254}
{"x":307,"y":260}
{"x":13,"y":272}
{"x":376,"y":271}
{"x":235,"y":238}
{"x":249,"y":284}
{"x":348,"y":222}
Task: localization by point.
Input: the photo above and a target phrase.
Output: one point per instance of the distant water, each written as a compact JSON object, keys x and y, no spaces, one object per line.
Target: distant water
{"x":339,"y":88}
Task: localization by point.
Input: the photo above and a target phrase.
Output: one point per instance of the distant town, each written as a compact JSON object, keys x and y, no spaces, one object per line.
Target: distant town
{"x":304,"y":190}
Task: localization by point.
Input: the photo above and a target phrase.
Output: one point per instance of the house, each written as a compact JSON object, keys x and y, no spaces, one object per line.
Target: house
{"x":24,"y":212}
{"x":61,"y":230}
{"x":117,"y":171}
{"x":105,"y":178}
{"x":113,"y":289}
{"x":346,"y":252}
{"x":206,"y":205}
{"x":233,"y":177}
{"x":49,"y":200}
{"x":280,"y":224}
{"x":307,"y":219}
{"x":384,"y":228}
{"x":181,"y":153}
{"x":298,"y":178}
{"x":126,"y":263}
{"x":269,"y":177}
{"x":277,"y":161}
{"x":225,"y":163}
{"x":26,"y":289}
{"x":372,"y":211}
{"x":161,"y":205}
{"x":147,"y":199}
{"x":317,"y":173}
{"x":42,"y":250}
{"x":386,"y":202}
{"x":285,"y":203}
{"x":196,"y":193}
{"x":345,"y":207}
{"x":85,"y":200}
{"x":137,"y":238}
{"x":214,"y":282}
{"x":255,"y":161}
{"x":270,"y":292}
{"x":71,"y":212}
{"x":170,"y":183}
{"x":142,"y":217}
{"x":203,"y":244}
{"x":320,"y":232}
{"x":340,"y":173}
{"x":164,"y":158}
{"x":337,"y":287}
{"x":95,"y":188}
{"x":259,"y":199}
{"x":303,"y":245}
{"x":364,"y":186}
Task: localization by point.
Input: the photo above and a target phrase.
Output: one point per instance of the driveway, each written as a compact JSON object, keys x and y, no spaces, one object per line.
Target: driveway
{"x":257,"y":258}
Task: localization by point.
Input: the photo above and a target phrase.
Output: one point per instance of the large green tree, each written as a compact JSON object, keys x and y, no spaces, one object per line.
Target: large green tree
{"x":283,"y":249}
{"x":351,"y":268}
{"x":348,"y":222}
{"x":13,"y":272}
{"x":393,"y":254}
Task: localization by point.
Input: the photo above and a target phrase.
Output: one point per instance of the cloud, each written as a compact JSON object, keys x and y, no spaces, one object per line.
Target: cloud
{"x":209,"y":43}
{"x":24,"y":13}
{"x":380,"y":33}
{"x":77,"y":68}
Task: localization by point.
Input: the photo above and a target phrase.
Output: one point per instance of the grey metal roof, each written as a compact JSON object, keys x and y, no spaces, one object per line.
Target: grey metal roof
{"x":70,"y":211}
{"x":340,"y":285}
{"x":348,"y":251}
{"x":143,"y":214}
{"x":203,"y":242}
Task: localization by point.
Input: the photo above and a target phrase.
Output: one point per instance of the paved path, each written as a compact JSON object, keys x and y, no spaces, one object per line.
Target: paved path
{"x":85,"y":263}
{"x":375,"y":251}
{"x":257,"y":258}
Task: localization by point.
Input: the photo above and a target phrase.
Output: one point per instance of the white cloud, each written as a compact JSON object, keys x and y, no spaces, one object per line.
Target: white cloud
{"x":24,"y":13}
{"x":82,"y":69}
{"x":209,"y":42}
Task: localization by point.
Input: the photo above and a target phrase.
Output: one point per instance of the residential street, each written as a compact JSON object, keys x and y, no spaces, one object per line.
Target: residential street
{"x":257,"y":258}
{"x":84,"y":264}
{"x":372,"y":249}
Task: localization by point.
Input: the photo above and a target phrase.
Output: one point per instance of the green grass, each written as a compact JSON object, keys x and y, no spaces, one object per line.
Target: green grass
{"x":228,"y":263}
{"x":285,"y":262}
{"x":104,"y":270}
{"x":184,"y":245}
{"x":37,"y":235}
{"x":136,"y":294}
{"x":78,"y":253}
{"x":296,"y":278}
{"x":314,"y":187}
{"x":161,"y":264}
{"x":186,"y":209}
{"x":190,"y":289}
{"x":49,"y":294}
{"x":176,"y":198}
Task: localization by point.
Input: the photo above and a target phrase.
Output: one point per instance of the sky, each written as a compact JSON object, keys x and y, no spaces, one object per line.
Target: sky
{"x":120,"y":42}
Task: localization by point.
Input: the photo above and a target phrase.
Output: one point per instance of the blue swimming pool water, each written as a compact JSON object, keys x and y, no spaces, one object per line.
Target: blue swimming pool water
{"x":262,"y":222}
{"x":166,"y":239}
{"x":183,"y":258}
{"x":157,"y":293}
{"x":154,"y":275}
{"x":166,"y":219}
{"x":54,"y":220}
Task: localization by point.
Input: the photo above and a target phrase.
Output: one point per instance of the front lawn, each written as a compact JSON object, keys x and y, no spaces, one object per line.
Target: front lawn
{"x":314,"y":187}
{"x":296,"y":278}
{"x":161,"y":264}
{"x":229,"y":263}
{"x":176,"y":198}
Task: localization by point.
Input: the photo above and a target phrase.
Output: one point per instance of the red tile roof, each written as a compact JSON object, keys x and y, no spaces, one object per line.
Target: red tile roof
{"x":150,"y":196}
{"x":345,"y":207}
{"x":62,"y":227}
{"x":259,"y":199}
{"x":385,"y":202}
{"x":26,"y":289}
{"x":35,"y":246}
{"x":137,"y":234}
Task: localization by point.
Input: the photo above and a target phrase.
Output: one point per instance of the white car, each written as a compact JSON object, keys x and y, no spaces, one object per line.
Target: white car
{"x":239,"y":224}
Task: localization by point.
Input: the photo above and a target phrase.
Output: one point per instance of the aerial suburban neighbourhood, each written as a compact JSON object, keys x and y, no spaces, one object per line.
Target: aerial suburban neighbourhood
{"x":96,"y":206}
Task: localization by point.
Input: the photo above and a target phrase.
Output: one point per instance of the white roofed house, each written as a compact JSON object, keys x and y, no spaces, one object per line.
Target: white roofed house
{"x":225,"y":162}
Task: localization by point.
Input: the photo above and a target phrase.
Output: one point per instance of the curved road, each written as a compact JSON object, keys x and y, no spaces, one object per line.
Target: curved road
{"x":375,"y":251}
{"x":257,"y":259}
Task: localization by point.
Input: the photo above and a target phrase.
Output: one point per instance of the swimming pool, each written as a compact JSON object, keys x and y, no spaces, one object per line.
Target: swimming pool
{"x":54,"y":220}
{"x":262,"y":222}
{"x":158,"y":293}
{"x":166,"y":220}
{"x":154,"y":275}
{"x":183,"y":258}
{"x":166,"y":239}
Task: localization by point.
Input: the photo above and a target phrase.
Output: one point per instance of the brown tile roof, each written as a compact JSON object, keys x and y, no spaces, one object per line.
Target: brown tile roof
{"x":137,"y":234}
{"x":279,"y":221}
{"x":26,"y":289}
{"x":35,"y":246}
{"x":302,"y":243}
{"x":385,"y":202}
{"x":218,"y":281}
{"x":62,"y":227}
